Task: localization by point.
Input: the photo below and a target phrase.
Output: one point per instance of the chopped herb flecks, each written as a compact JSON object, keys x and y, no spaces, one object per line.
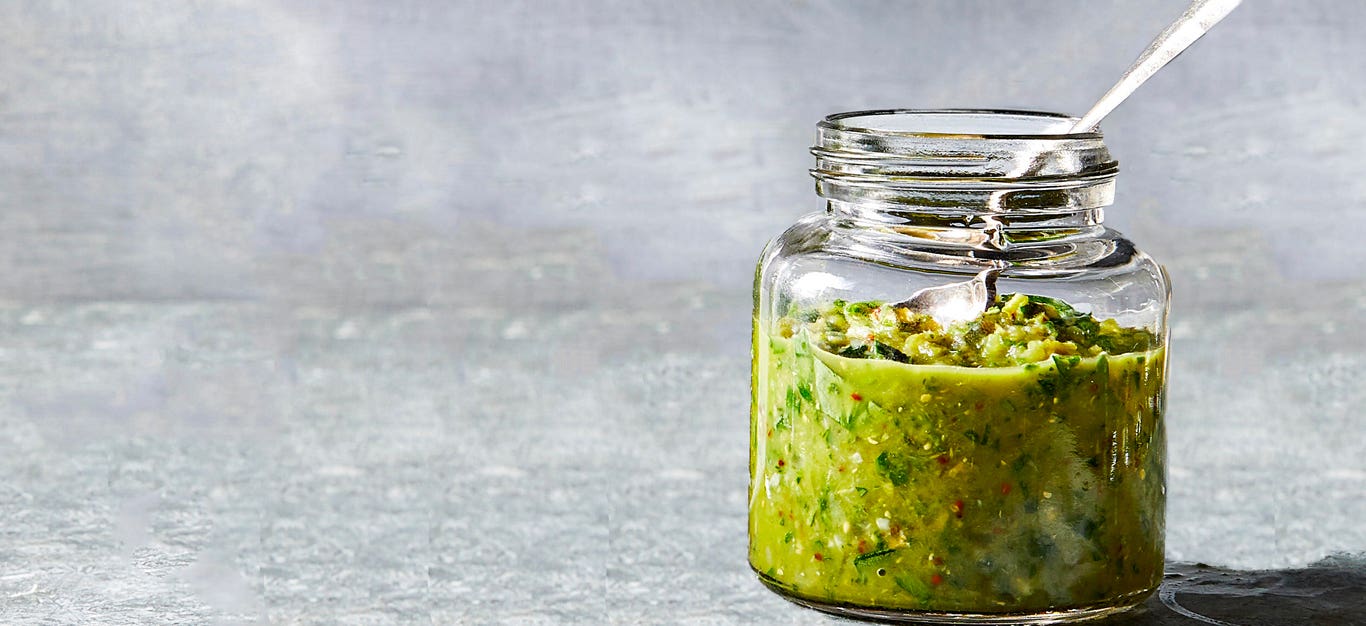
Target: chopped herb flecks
{"x":1016,"y":330}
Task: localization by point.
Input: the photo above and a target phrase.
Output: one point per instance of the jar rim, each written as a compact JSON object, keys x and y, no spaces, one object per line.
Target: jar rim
{"x":1050,"y":123}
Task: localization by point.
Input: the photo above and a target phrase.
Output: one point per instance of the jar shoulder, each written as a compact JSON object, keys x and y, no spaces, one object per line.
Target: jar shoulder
{"x":1099,"y":269}
{"x":1099,"y":251}
{"x":810,"y":234}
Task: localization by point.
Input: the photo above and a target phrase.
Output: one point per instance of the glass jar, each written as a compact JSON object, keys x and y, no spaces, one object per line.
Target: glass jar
{"x":1010,"y":467}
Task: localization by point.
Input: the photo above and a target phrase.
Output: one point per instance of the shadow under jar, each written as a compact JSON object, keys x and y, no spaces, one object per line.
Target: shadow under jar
{"x":1009,"y":468}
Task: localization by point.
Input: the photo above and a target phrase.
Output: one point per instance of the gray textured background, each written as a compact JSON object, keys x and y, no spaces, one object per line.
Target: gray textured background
{"x":394,"y":312}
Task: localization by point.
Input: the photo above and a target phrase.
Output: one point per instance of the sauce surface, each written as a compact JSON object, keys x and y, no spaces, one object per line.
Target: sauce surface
{"x":1010,"y":463}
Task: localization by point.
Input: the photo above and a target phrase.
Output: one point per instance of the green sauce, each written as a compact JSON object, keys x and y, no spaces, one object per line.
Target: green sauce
{"x":1012,"y":463}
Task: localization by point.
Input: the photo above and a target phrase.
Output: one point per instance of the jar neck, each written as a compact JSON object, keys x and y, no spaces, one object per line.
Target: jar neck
{"x":976,"y":229}
{"x":881,"y":216}
{"x":967,"y":178}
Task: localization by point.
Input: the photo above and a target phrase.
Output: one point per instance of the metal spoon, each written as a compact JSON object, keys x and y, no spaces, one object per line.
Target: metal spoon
{"x":958,"y":302}
{"x":1194,"y":23}
{"x":955,"y":302}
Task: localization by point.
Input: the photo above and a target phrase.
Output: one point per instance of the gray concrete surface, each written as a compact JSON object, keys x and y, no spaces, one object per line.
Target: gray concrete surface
{"x":420,"y":312}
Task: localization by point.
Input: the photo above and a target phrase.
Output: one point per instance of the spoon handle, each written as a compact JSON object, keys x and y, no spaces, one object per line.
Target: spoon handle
{"x":1196,"y":21}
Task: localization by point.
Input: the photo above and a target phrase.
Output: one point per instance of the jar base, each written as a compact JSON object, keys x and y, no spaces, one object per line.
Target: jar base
{"x":908,"y":616}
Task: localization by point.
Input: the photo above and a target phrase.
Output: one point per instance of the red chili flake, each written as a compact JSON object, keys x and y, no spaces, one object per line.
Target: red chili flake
{"x":936,"y":579}
{"x":770,"y":432}
{"x":840,"y":469}
{"x":856,"y":397}
{"x":862,"y":546}
{"x":1094,"y":387}
{"x":781,"y":462}
{"x":939,"y":560}
{"x":978,"y":406}
{"x":1005,"y":489}
{"x":943,"y":459}
{"x":894,"y":529}
{"x":958,"y":508}
{"x":819,"y":557}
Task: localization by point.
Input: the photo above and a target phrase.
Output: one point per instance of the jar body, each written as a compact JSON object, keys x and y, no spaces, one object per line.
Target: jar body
{"x":1000,"y":469}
